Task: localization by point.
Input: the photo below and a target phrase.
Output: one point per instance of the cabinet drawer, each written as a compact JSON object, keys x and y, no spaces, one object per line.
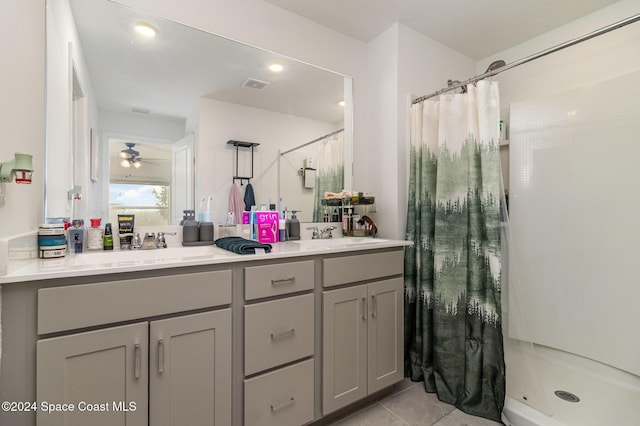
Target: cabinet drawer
{"x":87,"y":305}
{"x":281,"y":398}
{"x":273,"y":280}
{"x":278,"y":332}
{"x":349,"y":269}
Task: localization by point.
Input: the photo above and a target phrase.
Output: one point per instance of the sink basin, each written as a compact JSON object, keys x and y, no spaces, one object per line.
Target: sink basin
{"x":338,"y":242}
{"x":144,"y":256}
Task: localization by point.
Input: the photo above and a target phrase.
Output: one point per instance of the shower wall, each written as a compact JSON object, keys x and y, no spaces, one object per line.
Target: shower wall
{"x":573,"y":257}
{"x":567,"y":322}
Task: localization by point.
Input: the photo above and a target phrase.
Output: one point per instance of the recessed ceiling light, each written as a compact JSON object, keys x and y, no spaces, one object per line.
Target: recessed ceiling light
{"x":341,"y":103}
{"x":276,"y":67}
{"x":146,"y":30}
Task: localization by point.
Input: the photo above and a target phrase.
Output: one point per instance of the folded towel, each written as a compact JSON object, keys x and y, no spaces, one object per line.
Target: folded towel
{"x":241,"y":245}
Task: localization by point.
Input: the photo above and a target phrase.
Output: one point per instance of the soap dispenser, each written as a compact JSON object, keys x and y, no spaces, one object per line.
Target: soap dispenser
{"x":294,"y":226}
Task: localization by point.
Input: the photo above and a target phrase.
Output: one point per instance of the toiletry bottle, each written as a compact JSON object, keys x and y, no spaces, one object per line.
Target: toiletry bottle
{"x":76,"y":236}
{"x":95,"y":235}
{"x":190,"y":231}
{"x":252,"y":223}
{"x":282,"y":228}
{"x":294,"y":226}
{"x":107,"y":240}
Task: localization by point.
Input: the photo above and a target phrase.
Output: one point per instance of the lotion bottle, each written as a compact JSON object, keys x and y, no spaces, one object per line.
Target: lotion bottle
{"x":294,"y":226}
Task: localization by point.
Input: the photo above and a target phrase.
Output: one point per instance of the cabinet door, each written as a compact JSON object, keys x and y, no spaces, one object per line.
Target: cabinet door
{"x":385,"y":333}
{"x":344,"y":359}
{"x":190,"y":370}
{"x":102,"y":373}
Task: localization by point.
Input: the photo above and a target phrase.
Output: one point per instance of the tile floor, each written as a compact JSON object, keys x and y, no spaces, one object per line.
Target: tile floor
{"x":409,"y":404}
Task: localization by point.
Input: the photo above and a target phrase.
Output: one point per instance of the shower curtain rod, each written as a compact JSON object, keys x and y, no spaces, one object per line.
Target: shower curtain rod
{"x":603,"y":30}
{"x":313,"y":141}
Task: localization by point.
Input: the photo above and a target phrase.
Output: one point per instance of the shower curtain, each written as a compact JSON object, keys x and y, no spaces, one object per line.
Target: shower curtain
{"x":453,"y":324}
{"x":329,"y":172}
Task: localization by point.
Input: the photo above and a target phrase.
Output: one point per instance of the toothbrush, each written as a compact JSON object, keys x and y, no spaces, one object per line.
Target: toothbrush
{"x":207,"y":214}
{"x":201,"y":212}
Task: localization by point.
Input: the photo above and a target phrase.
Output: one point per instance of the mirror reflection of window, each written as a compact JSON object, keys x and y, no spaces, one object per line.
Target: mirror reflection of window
{"x":140,"y":181}
{"x":149,"y":203}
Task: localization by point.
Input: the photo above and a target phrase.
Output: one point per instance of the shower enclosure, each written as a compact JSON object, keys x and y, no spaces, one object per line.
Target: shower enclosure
{"x":572,"y":344}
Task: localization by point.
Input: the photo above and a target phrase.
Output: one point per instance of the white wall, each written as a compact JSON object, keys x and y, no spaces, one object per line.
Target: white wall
{"x":68,"y":138}
{"x":537,"y":371}
{"x":22,"y":108}
{"x":403,"y":64}
{"x":220,"y":122}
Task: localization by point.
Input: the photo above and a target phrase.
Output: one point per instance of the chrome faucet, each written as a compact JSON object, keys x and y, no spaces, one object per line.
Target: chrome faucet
{"x":136,"y":242}
{"x":161,"y":242}
{"x":149,"y":241}
{"x":321,"y":234}
{"x":316,"y":233}
{"x":325,"y":233}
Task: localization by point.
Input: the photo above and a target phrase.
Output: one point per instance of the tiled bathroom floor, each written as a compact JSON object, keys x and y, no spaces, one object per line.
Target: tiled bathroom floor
{"x":409,"y":404}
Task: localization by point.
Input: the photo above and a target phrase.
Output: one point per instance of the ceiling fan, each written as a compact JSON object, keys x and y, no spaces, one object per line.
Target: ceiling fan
{"x":131,"y":157}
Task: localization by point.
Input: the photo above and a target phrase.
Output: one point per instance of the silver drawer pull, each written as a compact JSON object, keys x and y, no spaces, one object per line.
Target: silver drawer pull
{"x":138,"y":361}
{"x":364,"y":308}
{"x":160,"y":356}
{"x":374,"y":312}
{"x":281,"y":334}
{"x":282,"y":405}
{"x":281,"y":281}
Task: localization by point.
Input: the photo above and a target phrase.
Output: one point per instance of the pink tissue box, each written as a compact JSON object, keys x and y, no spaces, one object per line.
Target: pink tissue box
{"x":267,"y":223}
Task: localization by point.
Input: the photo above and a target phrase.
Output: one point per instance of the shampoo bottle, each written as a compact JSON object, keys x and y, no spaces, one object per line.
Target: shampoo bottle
{"x":107,"y":241}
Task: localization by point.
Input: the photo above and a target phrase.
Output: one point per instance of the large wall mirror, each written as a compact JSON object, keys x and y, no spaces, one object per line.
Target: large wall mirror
{"x":139,"y":122}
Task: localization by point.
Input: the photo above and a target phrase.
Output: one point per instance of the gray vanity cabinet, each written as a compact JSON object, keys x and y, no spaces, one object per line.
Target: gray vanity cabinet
{"x":362,"y":330}
{"x":279,"y":344}
{"x":189,"y":374}
{"x":173,"y":370}
{"x":185,"y":371}
{"x":106,"y":367}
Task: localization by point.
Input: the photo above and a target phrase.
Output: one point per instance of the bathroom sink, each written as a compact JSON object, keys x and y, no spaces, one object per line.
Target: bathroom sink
{"x":338,"y":242}
{"x":123,"y":257}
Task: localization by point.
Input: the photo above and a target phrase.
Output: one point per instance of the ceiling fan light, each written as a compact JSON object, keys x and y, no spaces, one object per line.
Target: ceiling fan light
{"x":137,"y":164}
{"x":124,"y":154}
{"x":125,"y":163}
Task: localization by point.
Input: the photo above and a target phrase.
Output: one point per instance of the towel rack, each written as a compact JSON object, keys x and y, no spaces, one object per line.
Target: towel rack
{"x":238,"y":145}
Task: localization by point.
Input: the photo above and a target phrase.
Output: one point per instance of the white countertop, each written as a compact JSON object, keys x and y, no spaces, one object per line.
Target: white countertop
{"x":110,"y":262}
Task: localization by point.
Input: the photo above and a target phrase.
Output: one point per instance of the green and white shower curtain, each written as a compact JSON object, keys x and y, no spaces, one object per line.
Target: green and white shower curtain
{"x":329,"y":172}
{"x":453,"y":321}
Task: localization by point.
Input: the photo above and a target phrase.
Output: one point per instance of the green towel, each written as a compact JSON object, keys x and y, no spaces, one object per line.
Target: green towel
{"x":241,"y":245}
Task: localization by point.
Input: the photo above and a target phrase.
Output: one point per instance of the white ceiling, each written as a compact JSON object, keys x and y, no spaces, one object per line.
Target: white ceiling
{"x":477,"y":28}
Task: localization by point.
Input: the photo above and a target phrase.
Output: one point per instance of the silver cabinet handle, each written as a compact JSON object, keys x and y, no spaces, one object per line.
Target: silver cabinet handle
{"x":281,"y":281}
{"x":160,"y":356}
{"x":374,"y":311}
{"x":277,"y":335}
{"x":138,"y":361}
{"x":364,"y":308}
{"x":282,"y":405}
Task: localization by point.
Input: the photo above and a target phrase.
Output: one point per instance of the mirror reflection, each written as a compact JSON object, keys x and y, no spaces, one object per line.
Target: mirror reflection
{"x":174,"y":97}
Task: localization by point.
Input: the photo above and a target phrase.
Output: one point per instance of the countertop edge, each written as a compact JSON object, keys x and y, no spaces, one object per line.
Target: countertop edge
{"x":44,"y":269}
